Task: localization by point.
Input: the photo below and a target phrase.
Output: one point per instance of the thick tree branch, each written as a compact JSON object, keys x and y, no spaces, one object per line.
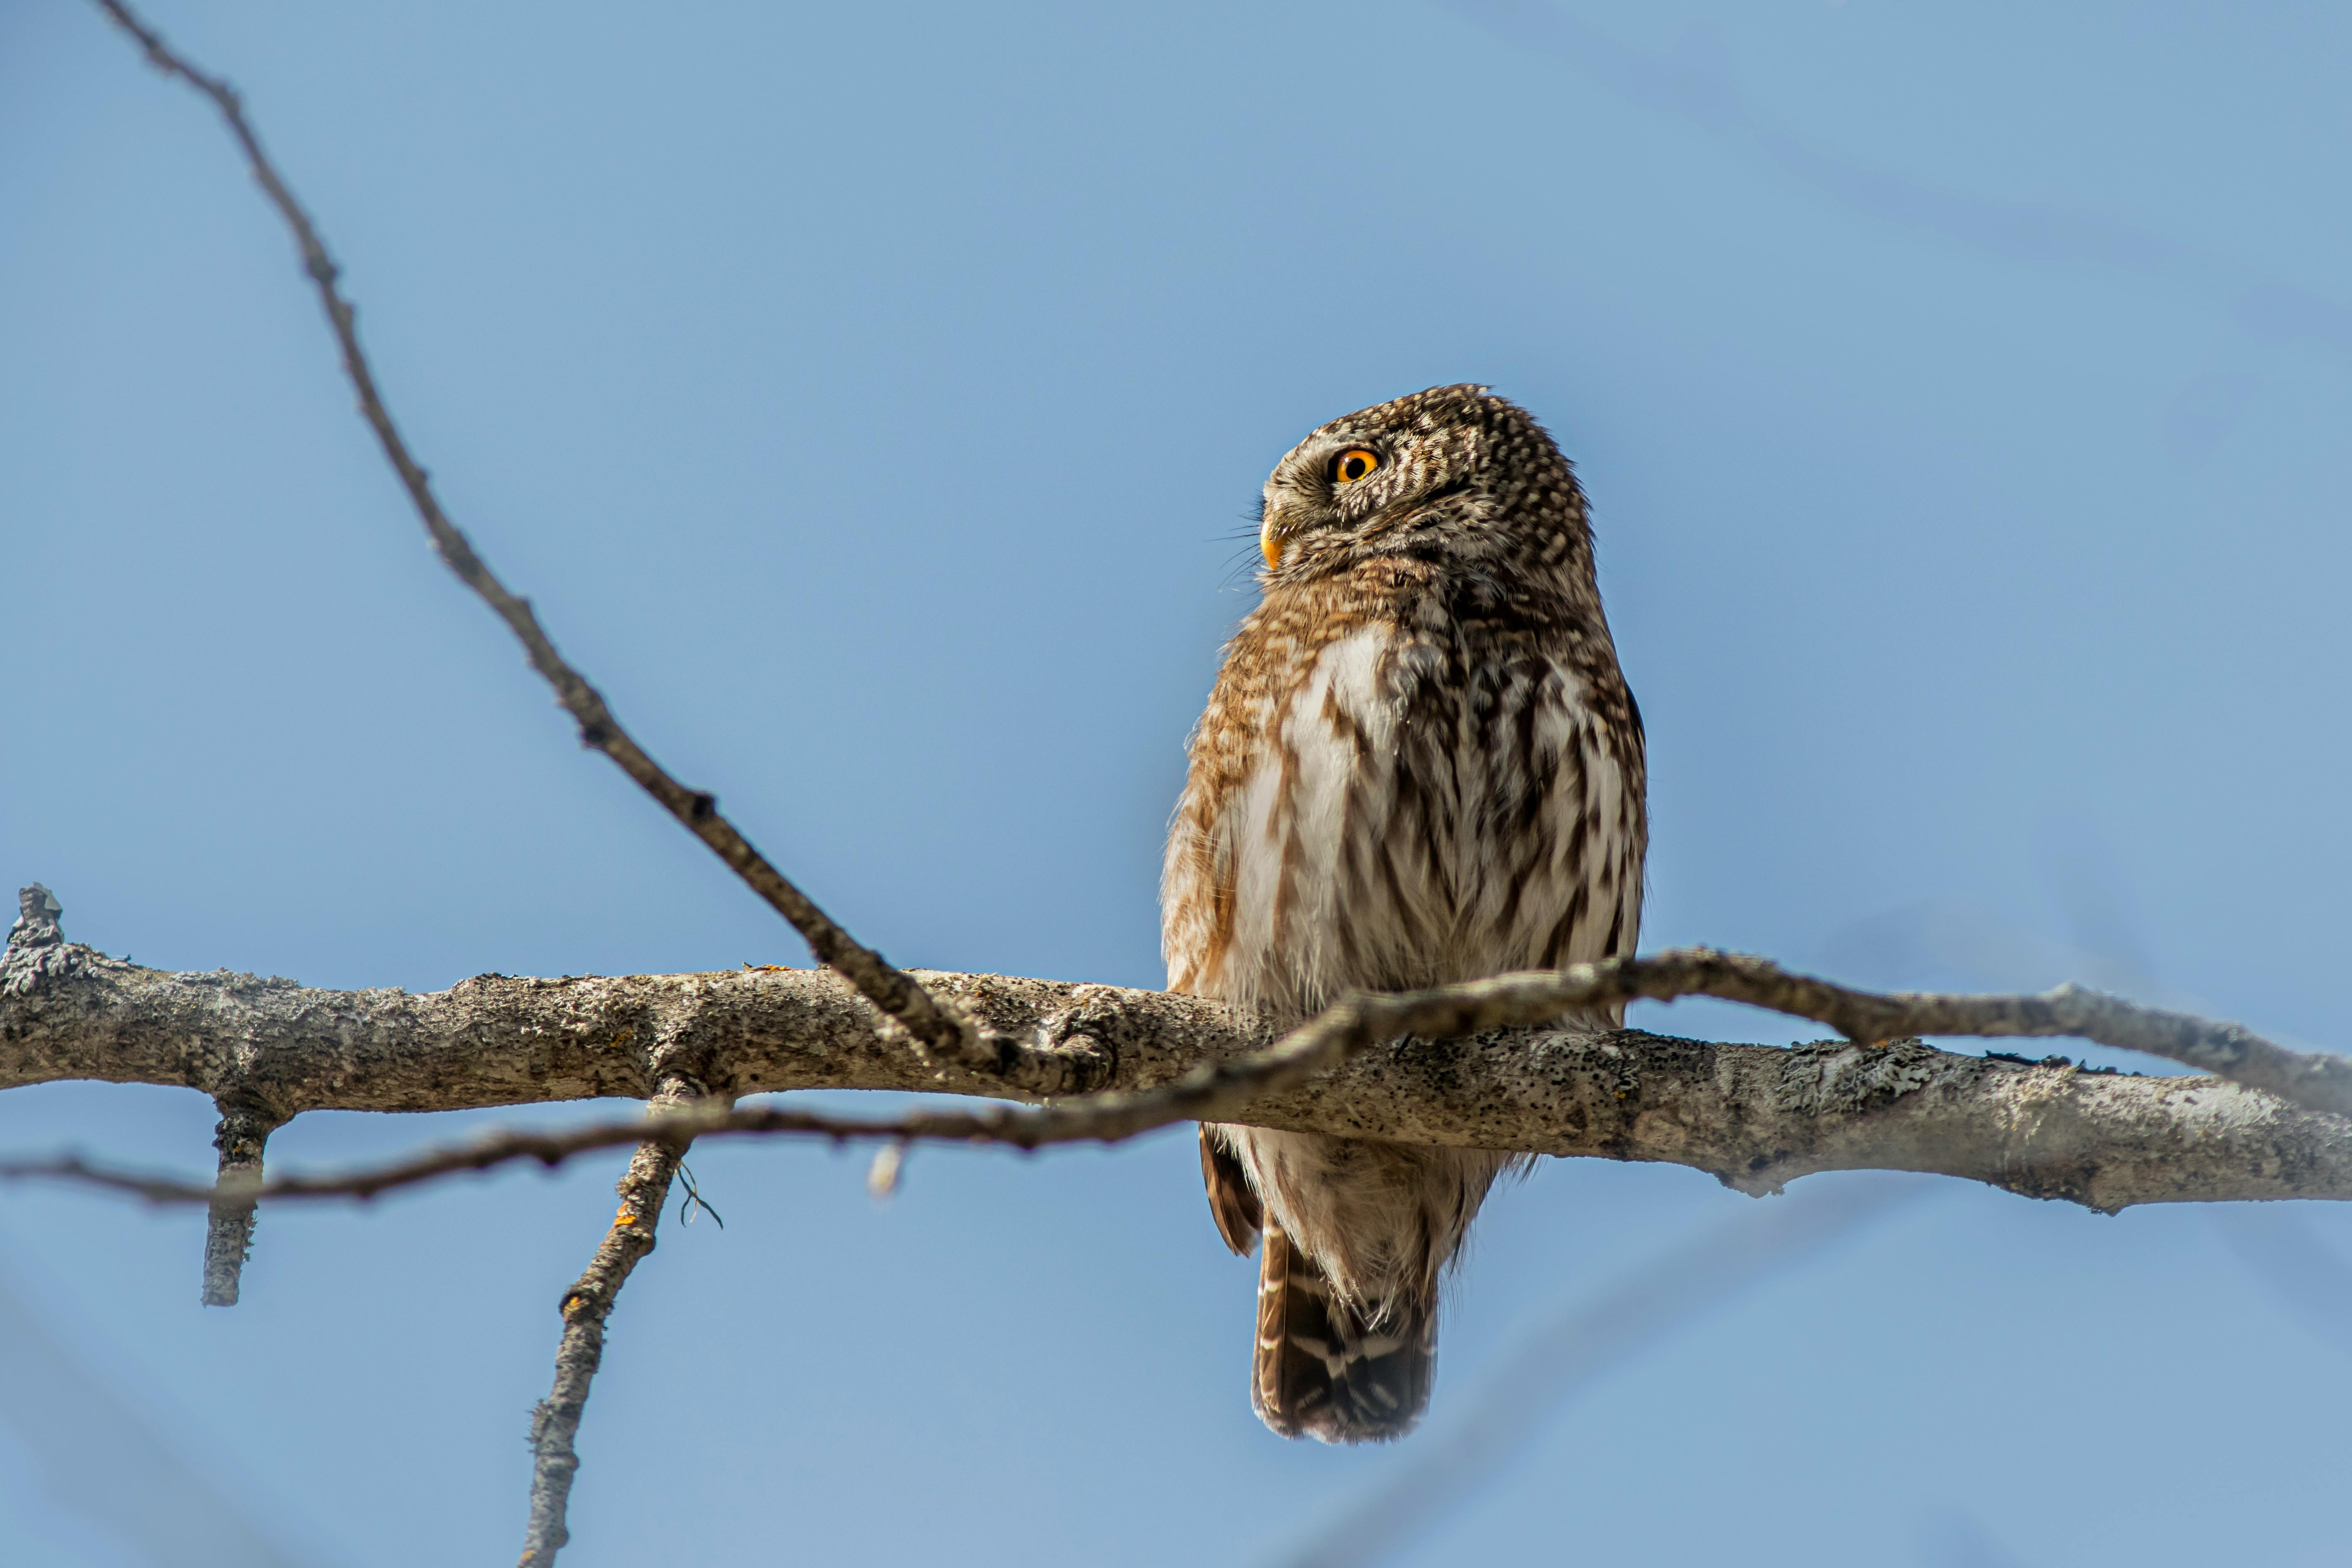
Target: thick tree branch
{"x":1754,"y":1116}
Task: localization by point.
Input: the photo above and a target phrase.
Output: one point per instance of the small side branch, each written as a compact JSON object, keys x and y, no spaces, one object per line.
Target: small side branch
{"x":643,"y":1189}
{"x":37,"y":953}
{"x":2314,"y":1081}
{"x":228,"y":1233}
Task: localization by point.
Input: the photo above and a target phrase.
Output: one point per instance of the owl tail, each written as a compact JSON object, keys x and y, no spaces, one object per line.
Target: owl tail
{"x":1322,"y":1371}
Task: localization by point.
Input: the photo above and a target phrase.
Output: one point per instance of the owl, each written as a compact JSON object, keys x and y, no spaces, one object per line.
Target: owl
{"x":1420,"y":764}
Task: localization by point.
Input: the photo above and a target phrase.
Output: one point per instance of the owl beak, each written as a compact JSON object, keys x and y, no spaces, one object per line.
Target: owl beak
{"x":1280,"y":520}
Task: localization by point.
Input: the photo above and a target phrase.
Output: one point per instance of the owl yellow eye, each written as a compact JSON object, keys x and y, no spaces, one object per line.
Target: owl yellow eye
{"x":1354,"y":464}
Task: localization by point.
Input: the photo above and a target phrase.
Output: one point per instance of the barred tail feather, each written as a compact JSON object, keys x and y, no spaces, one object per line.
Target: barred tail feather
{"x":1322,"y":1371}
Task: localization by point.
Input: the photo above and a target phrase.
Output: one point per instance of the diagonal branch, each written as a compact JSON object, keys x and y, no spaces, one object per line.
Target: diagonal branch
{"x":896,"y":993}
{"x":644,"y":1189}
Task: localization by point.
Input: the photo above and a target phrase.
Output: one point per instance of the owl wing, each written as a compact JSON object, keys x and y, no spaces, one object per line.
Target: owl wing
{"x":1376,"y":828}
{"x":1233,"y":1202}
{"x":1554,"y":877}
{"x":1291,"y":767}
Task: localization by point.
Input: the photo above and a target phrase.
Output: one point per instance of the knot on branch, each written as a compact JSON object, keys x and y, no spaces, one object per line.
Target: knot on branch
{"x":1834,"y":1077}
{"x":37,"y":910}
{"x":682,"y":1063}
{"x":37,"y":949}
{"x":1057,"y":1055}
{"x":1085,"y":1041}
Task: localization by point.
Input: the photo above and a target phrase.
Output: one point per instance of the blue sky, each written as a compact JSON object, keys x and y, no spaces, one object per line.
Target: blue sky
{"x":870,"y":400}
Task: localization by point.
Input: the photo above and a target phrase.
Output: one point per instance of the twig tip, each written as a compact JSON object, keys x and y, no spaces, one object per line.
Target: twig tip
{"x":882,"y":1177}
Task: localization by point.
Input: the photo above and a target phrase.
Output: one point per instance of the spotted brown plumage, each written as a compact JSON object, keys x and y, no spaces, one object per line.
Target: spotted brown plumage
{"x":1420,"y":764}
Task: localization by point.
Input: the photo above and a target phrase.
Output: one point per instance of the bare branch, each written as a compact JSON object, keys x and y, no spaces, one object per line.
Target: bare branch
{"x":892,"y":990}
{"x":2231,"y":1050}
{"x":1211,"y":1092}
{"x":1474,"y":1074}
{"x":241,"y":1137}
{"x":644,"y":1189}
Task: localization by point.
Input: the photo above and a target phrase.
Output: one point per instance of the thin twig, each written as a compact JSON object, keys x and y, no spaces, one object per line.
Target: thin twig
{"x":644,"y":1189}
{"x":2231,"y":1050}
{"x":1221,"y":1090}
{"x":934,"y":1027}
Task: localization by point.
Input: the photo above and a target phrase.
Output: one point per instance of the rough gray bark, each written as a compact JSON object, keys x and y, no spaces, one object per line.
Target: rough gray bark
{"x":644,"y":1189}
{"x":1753,"y":1116}
{"x":240,"y":1138}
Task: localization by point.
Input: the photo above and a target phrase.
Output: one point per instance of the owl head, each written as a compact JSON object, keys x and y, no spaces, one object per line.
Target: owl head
{"x":1454,"y":476}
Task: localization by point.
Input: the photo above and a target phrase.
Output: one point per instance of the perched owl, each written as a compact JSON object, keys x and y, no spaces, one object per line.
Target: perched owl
{"x":1420,"y":764}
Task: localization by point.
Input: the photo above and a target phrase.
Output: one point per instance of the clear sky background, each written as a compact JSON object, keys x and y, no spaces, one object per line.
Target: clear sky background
{"x":871,"y":398}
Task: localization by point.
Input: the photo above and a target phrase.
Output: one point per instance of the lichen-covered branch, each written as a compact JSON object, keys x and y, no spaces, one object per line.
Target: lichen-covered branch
{"x":643,"y":1189}
{"x":1752,"y":1115}
{"x":241,"y":1138}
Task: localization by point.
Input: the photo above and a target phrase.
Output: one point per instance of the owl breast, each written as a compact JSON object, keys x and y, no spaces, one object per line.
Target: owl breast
{"x":1395,"y":809}
{"x":1419,"y":764}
